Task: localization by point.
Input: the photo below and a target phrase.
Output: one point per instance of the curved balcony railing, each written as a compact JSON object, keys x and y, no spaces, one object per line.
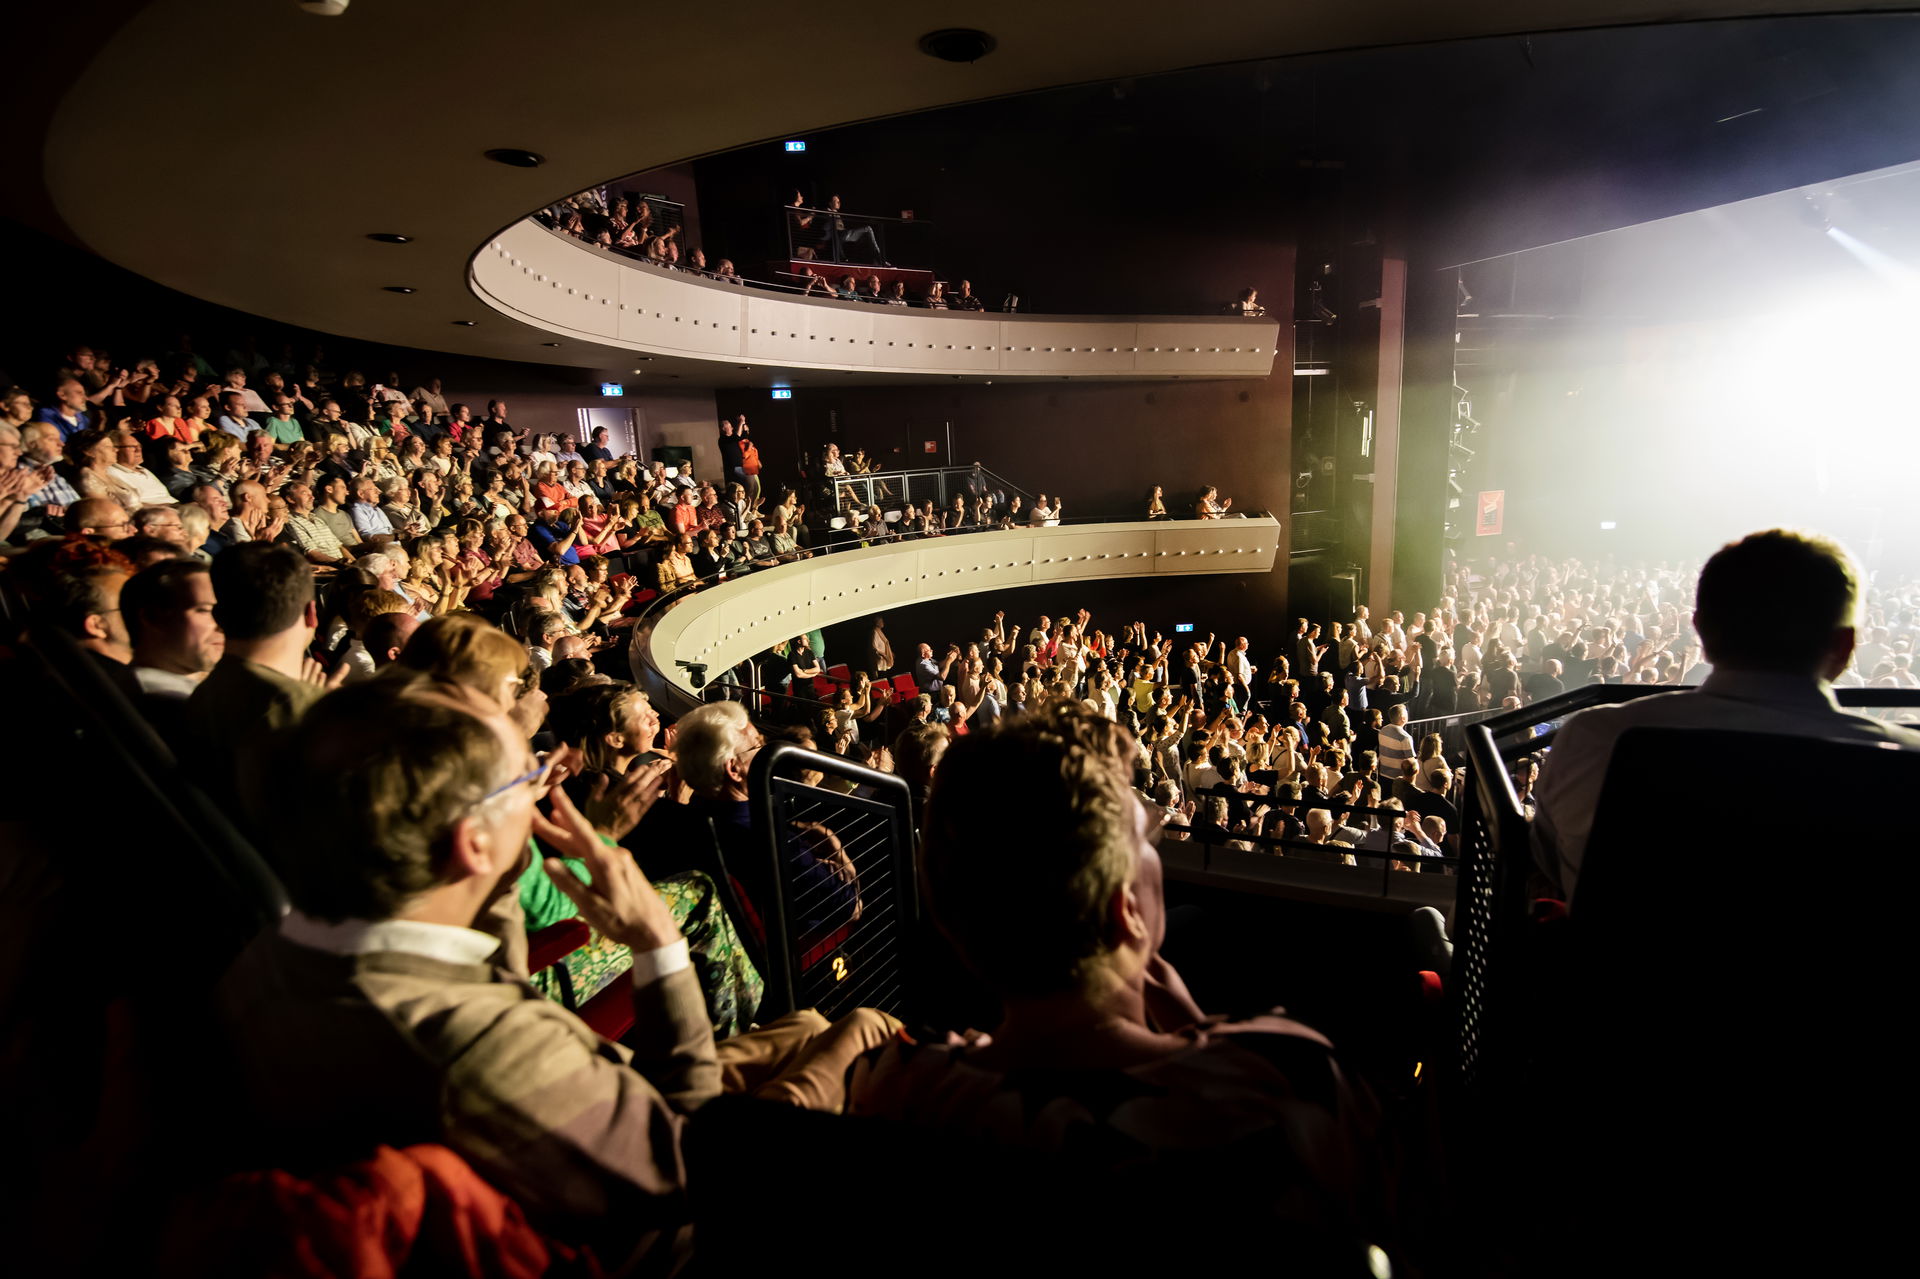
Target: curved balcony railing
{"x":714,"y":629}
{"x":558,"y":283}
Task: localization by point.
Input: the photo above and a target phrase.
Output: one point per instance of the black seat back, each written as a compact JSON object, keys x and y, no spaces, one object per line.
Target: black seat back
{"x":1734,"y":1025}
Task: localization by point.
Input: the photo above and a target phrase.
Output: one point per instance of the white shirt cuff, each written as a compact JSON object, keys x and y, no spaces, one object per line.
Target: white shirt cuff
{"x":650,"y":966}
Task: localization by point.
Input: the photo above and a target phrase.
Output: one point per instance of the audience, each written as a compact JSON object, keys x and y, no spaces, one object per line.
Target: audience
{"x":393,"y":654}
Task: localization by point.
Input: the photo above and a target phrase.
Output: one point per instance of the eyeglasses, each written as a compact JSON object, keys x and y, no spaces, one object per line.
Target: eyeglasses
{"x":539,"y":778}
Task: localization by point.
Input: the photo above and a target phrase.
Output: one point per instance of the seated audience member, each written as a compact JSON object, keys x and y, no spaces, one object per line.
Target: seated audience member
{"x":1210,"y":506}
{"x":370,"y":522}
{"x":1248,"y":303}
{"x":386,"y":635}
{"x":316,"y":532}
{"x":380,"y":1013}
{"x":264,"y":681}
{"x":815,"y":283}
{"x":1776,"y":613}
{"x":131,"y":476}
{"x":1043,"y":512}
{"x":76,"y":587}
{"x":1101,"y":1049}
{"x":100,"y":517}
{"x":168,"y":612}
{"x":68,"y":412}
{"x":161,"y":523}
{"x":715,"y":746}
{"x":964,"y":300}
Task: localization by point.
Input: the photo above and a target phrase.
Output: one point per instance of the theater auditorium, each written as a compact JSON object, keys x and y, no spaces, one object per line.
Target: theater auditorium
{"x":985,"y":639}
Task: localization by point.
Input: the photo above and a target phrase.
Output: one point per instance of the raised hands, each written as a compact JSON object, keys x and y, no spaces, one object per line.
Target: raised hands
{"x":619,"y":901}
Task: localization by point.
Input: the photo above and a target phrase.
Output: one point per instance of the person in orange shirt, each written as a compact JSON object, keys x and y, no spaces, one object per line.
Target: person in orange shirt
{"x":167,"y":424}
{"x":548,"y":487}
{"x":685,"y":515}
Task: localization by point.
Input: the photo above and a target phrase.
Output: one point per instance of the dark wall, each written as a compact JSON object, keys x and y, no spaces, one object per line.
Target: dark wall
{"x":1100,"y":445}
{"x":1097,"y":446}
{"x":1158,"y":196}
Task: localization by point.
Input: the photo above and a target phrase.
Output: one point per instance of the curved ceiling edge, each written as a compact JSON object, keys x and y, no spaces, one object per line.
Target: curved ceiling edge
{"x":555,"y":282}
{"x":724,"y":625}
{"x":376,"y":136}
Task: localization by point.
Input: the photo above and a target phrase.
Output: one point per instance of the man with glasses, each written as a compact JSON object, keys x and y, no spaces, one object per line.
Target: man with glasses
{"x":40,"y":445}
{"x":384,"y":1010}
{"x":128,"y":470}
{"x":282,"y":427}
{"x":100,"y":517}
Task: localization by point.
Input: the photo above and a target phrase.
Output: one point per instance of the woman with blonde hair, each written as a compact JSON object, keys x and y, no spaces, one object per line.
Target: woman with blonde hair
{"x":619,"y":726}
{"x":472,"y":653}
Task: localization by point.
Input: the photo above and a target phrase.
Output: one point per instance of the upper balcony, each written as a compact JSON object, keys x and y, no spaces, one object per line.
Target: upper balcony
{"x":573,"y":289}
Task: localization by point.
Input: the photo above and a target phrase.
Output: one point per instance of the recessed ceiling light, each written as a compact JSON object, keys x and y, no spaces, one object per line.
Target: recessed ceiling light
{"x":389,"y":237}
{"x":957,"y":44}
{"x":325,"y":8}
{"x":517,"y":157}
{"x":399,"y":288}
{"x":466,"y":324}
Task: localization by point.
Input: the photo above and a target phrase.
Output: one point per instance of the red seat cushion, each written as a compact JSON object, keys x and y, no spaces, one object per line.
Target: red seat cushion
{"x":610,"y":1012}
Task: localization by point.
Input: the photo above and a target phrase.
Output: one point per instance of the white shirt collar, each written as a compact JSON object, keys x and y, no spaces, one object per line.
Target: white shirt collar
{"x":445,"y":942}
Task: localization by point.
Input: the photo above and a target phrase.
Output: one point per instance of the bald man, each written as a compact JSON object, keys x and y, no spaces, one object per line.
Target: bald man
{"x":100,"y":517}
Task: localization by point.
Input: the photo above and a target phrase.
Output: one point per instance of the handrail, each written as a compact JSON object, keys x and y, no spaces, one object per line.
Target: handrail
{"x":1277,"y":842}
{"x":849,"y":213}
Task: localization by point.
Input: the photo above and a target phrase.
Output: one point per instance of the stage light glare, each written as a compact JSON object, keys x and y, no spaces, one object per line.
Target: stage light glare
{"x":1873,"y":259}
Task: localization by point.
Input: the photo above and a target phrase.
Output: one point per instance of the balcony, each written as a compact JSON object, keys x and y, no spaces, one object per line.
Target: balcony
{"x":575,"y":290}
{"x":723,"y":625}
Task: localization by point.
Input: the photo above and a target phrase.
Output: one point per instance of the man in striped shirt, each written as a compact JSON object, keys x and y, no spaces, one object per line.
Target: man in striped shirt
{"x":1396,"y":754}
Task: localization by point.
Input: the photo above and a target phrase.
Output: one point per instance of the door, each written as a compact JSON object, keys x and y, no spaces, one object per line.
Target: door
{"x":621,"y":424}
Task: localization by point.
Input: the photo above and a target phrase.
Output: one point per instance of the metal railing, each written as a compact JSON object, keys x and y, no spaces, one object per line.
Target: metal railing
{"x":820,"y":953}
{"x":837,"y":237}
{"x":893,"y":490}
{"x":1391,"y":862}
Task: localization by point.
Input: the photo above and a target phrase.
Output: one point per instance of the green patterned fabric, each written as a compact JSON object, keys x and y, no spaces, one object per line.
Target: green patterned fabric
{"x":732,"y":985}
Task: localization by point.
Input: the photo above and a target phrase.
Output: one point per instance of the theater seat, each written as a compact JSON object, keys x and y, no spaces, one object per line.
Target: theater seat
{"x":904,"y":685}
{"x":1735,"y":993}
{"x":555,"y":942}
{"x":610,"y":1012}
